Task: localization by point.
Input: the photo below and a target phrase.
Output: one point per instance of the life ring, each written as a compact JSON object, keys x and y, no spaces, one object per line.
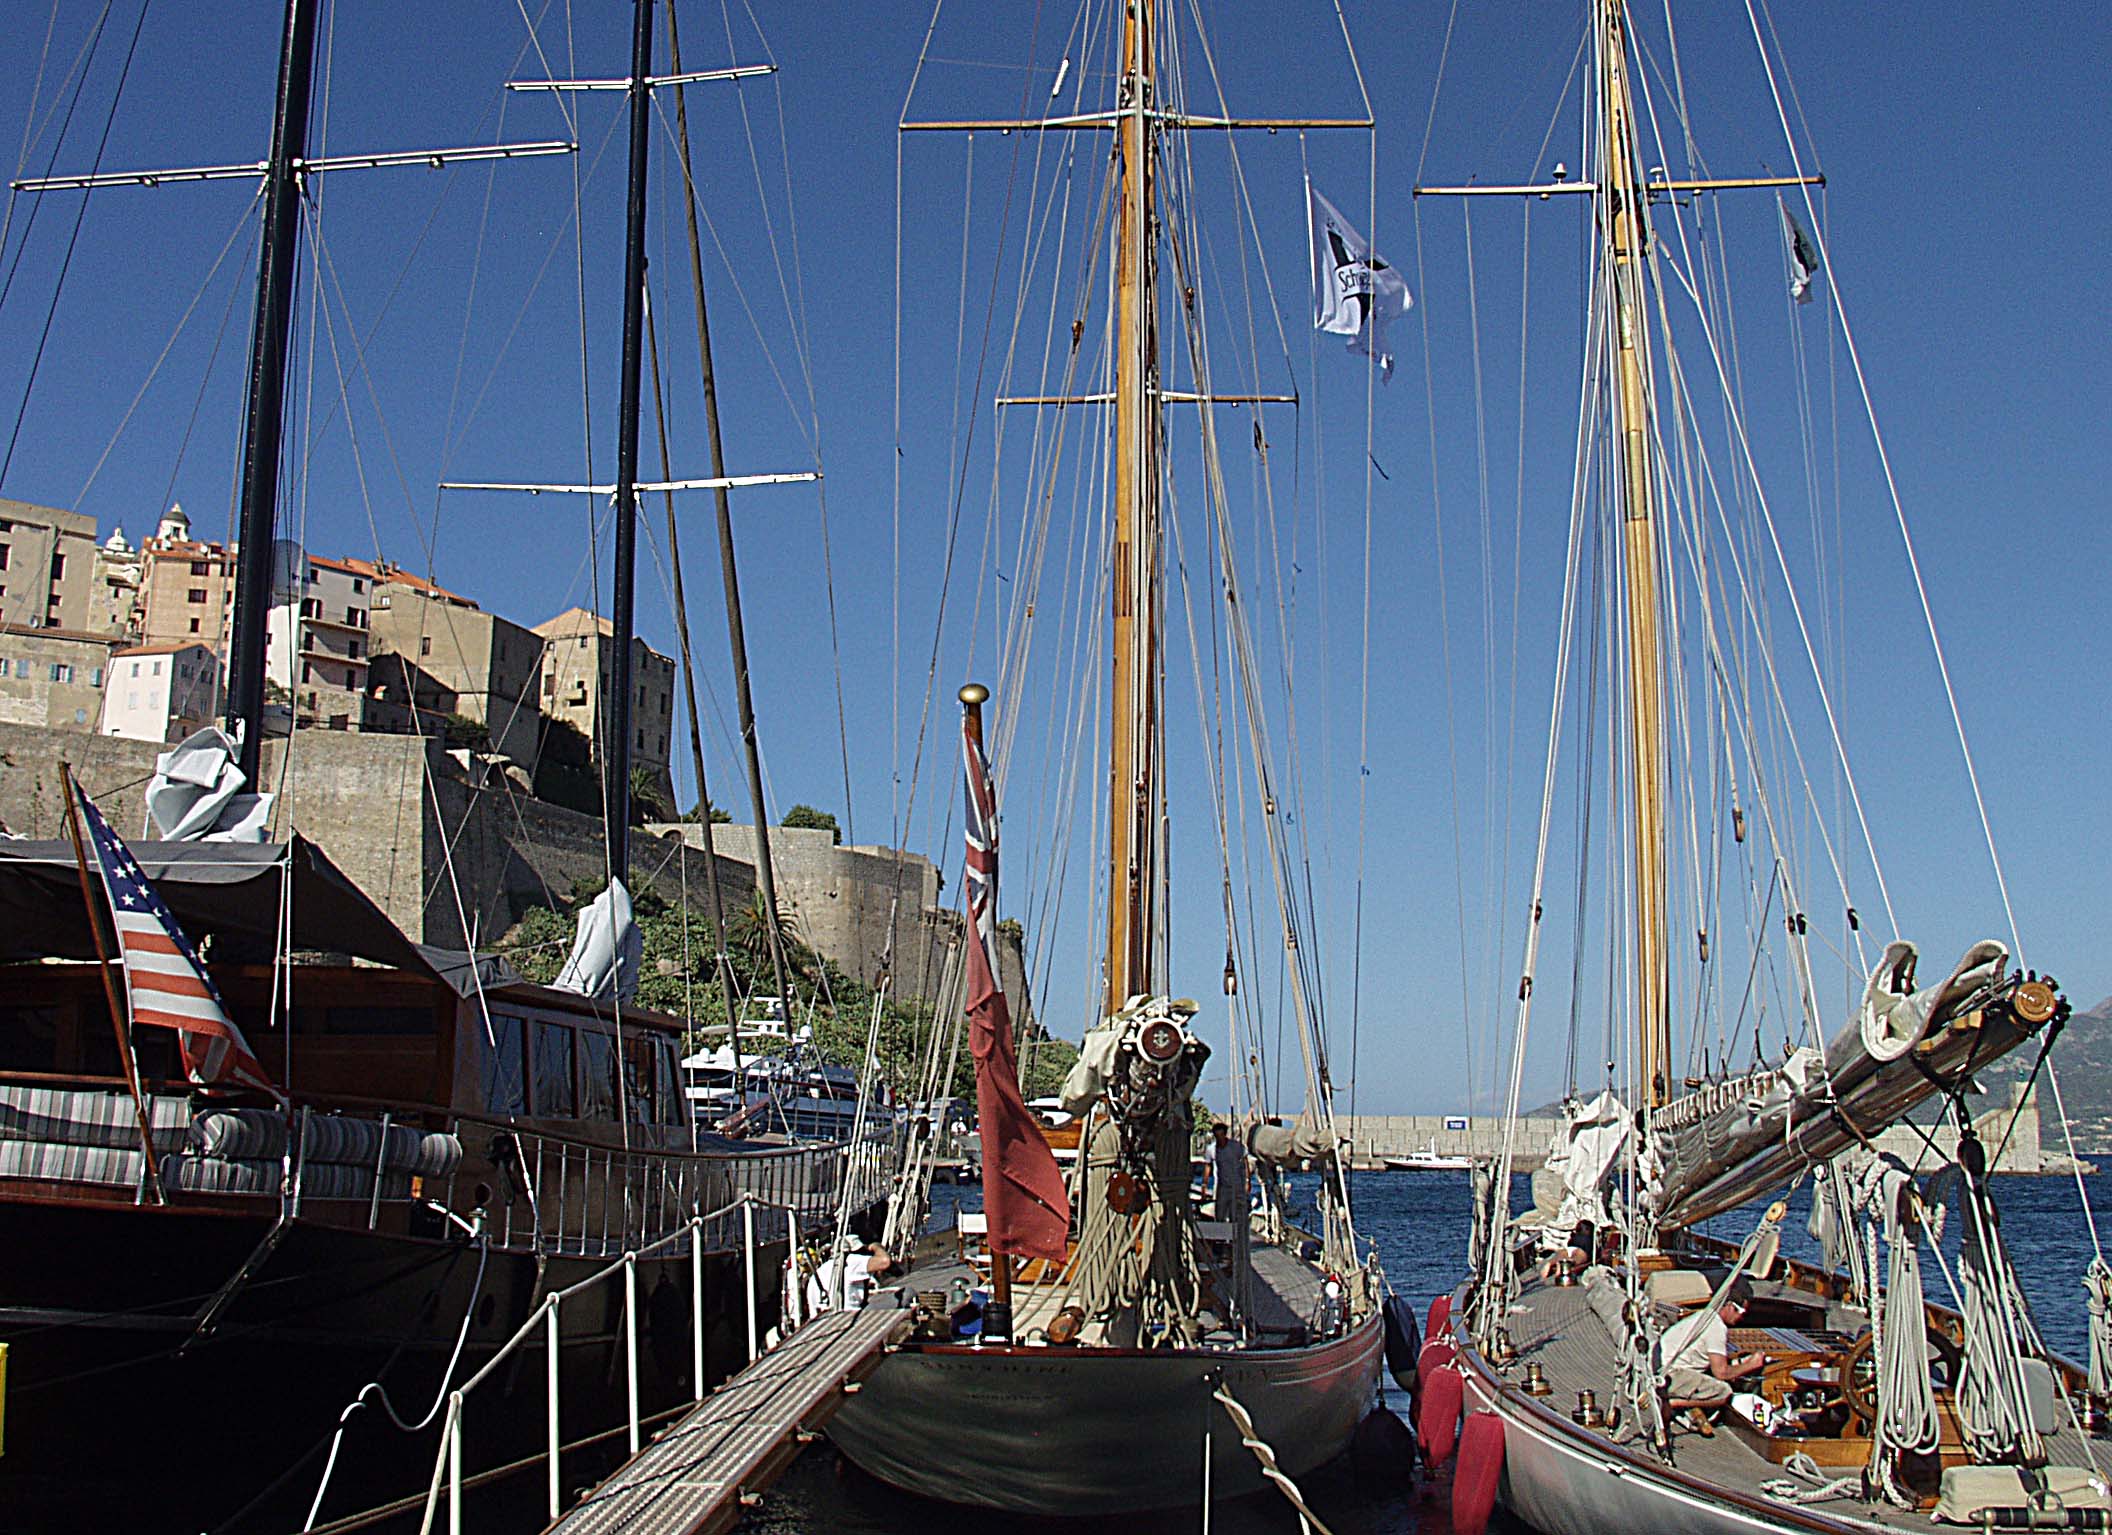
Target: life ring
{"x":1437,"y":1414}
{"x":1440,"y":1317}
{"x":1480,"y":1469}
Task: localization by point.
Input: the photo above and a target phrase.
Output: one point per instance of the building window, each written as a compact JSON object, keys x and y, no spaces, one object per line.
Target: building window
{"x":157,"y":668}
{"x":194,"y":626}
{"x":307,"y":673}
{"x":195,"y":594}
{"x":425,"y":644}
{"x":549,"y":683}
{"x":311,"y":607}
{"x":58,"y":565}
{"x":3,"y":556}
{"x":3,"y":666}
{"x":61,"y":672}
{"x":80,"y":716}
{"x":95,"y":678}
{"x":200,"y":568}
{"x":358,"y":585}
{"x":354,"y":651}
{"x":582,"y":642}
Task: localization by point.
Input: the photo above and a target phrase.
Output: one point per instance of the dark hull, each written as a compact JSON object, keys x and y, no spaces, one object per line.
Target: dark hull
{"x":106,"y":1367}
{"x":1101,"y":1432}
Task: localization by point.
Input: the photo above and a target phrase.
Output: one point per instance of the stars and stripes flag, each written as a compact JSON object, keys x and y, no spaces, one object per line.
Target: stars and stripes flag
{"x":1023,"y":1196}
{"x":165,"y":982}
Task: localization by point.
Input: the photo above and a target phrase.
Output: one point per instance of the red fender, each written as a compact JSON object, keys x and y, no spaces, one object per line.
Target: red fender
{"x":1437,"y":1414}
{"x":1440,"y":1317}
{"x":1480,"y":1469}
{"x":1432,"y":1355}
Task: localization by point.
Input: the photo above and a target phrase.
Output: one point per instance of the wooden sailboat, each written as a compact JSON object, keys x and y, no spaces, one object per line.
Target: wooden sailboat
{"x":1873,"y":1408}
{"x":1119,"y":1372}
{"x":449,"y":1143}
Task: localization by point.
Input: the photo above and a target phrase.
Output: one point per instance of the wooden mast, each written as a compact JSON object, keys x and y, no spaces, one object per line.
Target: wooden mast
{"x":1624,"y":231}
{"x":1134,"y":789}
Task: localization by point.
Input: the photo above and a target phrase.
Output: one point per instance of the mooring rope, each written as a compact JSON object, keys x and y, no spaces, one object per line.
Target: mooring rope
{"x":1243,"y":1420}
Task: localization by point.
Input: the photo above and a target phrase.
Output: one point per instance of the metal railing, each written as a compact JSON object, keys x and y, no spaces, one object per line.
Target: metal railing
{"x":689,"y":1236}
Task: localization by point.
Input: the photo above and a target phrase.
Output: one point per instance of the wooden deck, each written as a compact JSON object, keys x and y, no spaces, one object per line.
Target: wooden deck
{"x":1555,"y":1328}
{"x":690,"y":1481}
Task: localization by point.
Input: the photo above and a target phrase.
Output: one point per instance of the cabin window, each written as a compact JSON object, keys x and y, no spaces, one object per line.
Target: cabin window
{"x":597,"y":1076}
{"x":668,"y":1080}
{"x":638,"y":1077}
{"x":29,"y":1038}
{"x":505,"y":1070}
{"x":556,"y":1096}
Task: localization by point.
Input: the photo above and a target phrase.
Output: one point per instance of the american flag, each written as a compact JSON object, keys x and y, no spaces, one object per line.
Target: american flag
{"x":164,"y":979}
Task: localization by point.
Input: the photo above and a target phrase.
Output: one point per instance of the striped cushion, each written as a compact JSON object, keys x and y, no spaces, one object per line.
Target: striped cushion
{"x":89,"y":1117}
{"x":260,"y":1135}
{"x":252,"y":1175}
{"x":71,"y":1164}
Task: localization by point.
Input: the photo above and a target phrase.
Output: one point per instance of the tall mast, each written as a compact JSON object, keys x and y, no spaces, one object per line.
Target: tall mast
{"x":616,"y":738}
{"x":1624,"y":231}
{"x":1133,"y":782}
{"x":267,"y":382}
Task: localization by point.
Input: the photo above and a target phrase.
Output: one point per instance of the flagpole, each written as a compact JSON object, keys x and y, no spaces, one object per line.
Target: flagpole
{"x":117,"y":1016}
{"x":997,"y":1316}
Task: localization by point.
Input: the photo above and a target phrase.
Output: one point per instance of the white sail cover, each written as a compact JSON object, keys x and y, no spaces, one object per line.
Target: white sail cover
{"x":1587,"y":1149}
{"x":196,"y":795}
{"x":606,"y":951}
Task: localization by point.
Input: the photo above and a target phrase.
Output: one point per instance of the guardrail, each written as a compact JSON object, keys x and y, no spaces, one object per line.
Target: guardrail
{"x":689,"y":1236}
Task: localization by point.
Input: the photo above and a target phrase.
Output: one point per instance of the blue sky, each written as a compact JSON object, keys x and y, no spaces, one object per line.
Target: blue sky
{"x":1981,"y":325}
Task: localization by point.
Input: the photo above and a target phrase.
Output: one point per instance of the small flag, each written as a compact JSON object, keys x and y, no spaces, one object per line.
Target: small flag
{"x":1355,"y":293}
{"x":1803,"y":260}
{"x":165,"y":983}
{"x":1023,"y":1196}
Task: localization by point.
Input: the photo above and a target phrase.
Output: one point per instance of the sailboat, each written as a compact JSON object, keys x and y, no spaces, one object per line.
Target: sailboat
{"x":1620,"y":1368}
{"x":1090,"y":1344}
{"x":423,"y":1146}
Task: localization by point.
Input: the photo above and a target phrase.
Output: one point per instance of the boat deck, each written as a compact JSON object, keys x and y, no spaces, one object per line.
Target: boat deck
{"x":1555,"y":1327}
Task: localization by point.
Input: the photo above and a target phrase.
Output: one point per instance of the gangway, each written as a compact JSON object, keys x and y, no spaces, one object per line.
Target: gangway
{"x":699,"y":1475}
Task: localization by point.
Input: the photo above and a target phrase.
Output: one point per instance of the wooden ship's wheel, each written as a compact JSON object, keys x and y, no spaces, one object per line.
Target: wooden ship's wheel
{"x":1855,"y":1378}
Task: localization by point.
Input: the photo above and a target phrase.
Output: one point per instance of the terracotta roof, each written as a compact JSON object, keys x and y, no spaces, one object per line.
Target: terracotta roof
{"x":166,"y":648}
{"x":50,"y":632}
{"x":383,"y":573}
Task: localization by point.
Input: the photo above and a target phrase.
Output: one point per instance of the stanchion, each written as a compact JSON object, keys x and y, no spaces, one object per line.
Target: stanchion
{"x":630,"y":1341}
{"x":696,"y":1309}
{"x":550,"y":1411}
{"x":748,"y":1244}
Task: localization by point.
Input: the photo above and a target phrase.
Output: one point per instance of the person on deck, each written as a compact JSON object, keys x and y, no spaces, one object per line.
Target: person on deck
{"x":861,"y":1271}
{"x":1700,"y":1369}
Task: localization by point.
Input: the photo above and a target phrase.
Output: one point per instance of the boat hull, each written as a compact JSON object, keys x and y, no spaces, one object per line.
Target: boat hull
{"x":100,"y":1333}
{"x":1099,"y":1432}
{"x":1561,"y":1479}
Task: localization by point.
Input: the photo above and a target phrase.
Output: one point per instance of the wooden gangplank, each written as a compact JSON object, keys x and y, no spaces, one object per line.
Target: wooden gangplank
{"x":693,"y":1478}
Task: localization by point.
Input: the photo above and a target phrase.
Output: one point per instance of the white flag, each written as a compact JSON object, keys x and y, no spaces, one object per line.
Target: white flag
{"x":1355,"y":293}
{"x":1803,"y":260}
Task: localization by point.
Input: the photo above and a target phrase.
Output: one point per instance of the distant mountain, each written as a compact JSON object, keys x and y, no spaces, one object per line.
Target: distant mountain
{"x":2083,"y":1057}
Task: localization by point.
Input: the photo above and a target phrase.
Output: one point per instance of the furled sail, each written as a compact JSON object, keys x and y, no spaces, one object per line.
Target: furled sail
{"x":1736,"y":1141}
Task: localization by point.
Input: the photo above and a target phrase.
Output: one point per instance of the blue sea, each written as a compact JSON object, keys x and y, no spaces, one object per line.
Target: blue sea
{"x":1419,"y":1224}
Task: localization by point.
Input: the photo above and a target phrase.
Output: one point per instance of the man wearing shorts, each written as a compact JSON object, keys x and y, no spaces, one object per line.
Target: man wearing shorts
{"x":1699,"y":1365}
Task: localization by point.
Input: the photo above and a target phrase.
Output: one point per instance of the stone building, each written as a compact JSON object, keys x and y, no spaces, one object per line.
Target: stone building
{"x":52,"y":678}
{"x":436,"y":654}
{"x":46,"y":561}
{"x":161,"y":692}
{"x":315,"y":638}
{"x":114,"y":588}
{"x":577,"y":653}
{"x":186,"y":588}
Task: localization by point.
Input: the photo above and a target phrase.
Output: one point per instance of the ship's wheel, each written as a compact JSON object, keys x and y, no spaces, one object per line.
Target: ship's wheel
{"x":1856,"y":1375}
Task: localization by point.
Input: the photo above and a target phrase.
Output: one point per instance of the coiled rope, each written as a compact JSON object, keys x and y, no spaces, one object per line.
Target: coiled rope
{"x":1308,"y":1521}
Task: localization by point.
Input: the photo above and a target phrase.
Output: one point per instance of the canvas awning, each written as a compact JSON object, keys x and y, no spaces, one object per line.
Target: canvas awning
{"x":227,"y":891}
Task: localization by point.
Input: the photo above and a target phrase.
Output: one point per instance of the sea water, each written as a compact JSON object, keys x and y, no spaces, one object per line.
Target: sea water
{"x":1418,"y":1222}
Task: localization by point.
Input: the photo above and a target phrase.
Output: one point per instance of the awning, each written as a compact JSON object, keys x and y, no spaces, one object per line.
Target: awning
{"x":228,"y":891}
